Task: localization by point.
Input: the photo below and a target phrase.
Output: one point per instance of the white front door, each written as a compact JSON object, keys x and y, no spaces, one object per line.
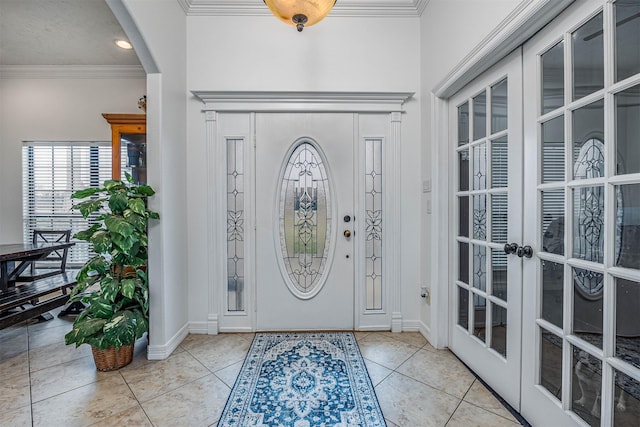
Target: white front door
{"x":581,"y":317}
{"x":305,"y":225}
{"x":485,"y":294}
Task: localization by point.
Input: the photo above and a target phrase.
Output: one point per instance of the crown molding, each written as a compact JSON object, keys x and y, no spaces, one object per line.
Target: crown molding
{"x":72,"y":71}
{"x":353,"y":8}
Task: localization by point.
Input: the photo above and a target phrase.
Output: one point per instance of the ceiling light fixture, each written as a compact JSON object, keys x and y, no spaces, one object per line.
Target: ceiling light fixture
{"x":123,"y":44}
{"x":300,"y":13}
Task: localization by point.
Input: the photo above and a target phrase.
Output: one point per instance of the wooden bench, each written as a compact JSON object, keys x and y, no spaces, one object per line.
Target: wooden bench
{"x":30,"y":293}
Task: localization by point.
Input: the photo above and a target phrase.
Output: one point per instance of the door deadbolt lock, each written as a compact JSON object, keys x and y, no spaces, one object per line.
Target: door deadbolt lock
{"x":347,"y":218}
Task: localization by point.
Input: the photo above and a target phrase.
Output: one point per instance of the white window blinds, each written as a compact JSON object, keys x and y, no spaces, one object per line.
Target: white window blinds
{"x":52,"y":171}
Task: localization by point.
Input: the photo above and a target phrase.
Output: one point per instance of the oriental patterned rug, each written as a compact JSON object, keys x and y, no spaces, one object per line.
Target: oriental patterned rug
{"x":303,"y":380}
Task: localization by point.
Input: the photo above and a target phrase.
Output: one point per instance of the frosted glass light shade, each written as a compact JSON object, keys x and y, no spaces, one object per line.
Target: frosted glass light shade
{"x":300,"y":13}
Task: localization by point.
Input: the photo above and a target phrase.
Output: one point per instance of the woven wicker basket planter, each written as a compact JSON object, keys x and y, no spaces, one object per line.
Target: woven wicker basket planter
{"x":111,"y":358}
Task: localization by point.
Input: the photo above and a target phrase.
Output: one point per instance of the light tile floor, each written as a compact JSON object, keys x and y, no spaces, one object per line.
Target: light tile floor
{"x":45,"y":383}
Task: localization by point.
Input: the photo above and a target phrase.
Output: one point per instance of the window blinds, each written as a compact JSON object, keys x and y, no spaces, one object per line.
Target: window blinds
{"x":52,"y":171}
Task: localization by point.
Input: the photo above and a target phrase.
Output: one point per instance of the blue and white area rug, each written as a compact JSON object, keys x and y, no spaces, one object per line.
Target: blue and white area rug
{"x":303,"y":380}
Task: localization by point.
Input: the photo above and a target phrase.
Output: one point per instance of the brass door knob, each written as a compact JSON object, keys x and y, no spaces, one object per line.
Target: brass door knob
{"x":347,"y":233}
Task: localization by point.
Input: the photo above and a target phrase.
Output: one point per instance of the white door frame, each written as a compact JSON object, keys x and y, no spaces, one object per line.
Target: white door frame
{"x":361,"y":103}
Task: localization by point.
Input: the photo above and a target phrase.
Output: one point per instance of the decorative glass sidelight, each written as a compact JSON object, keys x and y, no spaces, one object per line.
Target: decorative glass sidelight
{"x":305,"y":219}
{"x":235,"y":225}
{"x":373,"y":223}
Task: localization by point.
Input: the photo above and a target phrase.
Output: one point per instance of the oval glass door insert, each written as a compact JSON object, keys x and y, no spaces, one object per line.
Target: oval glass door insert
{"x":305,"y":219}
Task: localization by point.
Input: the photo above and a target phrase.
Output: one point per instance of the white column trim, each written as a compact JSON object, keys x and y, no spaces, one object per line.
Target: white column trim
{"x":213,"y":266}
{"x":394,"y":276}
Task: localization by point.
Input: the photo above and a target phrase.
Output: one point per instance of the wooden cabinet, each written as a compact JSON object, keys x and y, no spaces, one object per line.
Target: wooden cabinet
{"x":128,"y":145}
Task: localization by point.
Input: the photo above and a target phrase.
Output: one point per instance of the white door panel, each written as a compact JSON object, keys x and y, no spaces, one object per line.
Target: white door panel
{"x":581,"y":363}
{"x":486,"y":118}
{"x":311,"y":286}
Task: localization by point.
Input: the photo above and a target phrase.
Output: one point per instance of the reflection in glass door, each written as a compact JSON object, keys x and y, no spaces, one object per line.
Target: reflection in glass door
{"x":486,"y":291}
{"x":581,"y":338}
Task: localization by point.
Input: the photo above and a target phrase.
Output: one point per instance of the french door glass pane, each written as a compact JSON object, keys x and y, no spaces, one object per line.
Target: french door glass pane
{"x":628,"y":129}
{"x":479,"y":317}
{"x":463,"y":307}
{"x":588,"y":223}
{"x":627,"y":13}
{"x":463,"y":216}
{"x":499,"y":329}
{"x":628,"y":229}
{"x":480,"y":167}
{"x":499,"y":163}
{"x":553,"y":222}
{"x":588,"y":146}
{"x":553,"y":150}
{"x":463,"y":170}
{"x":480,"y":116}
{"x":463,"y":124}
{"x":499,"y":106}
{"x":480,"y":216}
{"x":499,"y":218}
{"x":588,"y":58}
{"x":480,"y":267}
{"x":587,"y":386}
{"x":551,"y":363}
{"x":628,"y":322}
{"x":587,"y":305}
{"x":499,"y":274}
{"x":626,"y":400}
{"x":552,"y":292}
{"x":553,"y":78}
{"x":463,"y":262}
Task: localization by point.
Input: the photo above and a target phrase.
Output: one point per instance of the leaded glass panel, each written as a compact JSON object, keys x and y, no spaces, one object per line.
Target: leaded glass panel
{"x":373,"y":223}
{"x":305,"y":219}
{"x":235,"y":225}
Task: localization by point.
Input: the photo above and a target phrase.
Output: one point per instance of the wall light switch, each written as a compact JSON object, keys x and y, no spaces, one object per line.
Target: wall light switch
{"x":426,"y":185}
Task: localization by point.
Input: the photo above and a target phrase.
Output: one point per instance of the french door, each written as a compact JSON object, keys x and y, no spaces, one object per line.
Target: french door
{"x":581,"y":317}
{"x":486,"y":119}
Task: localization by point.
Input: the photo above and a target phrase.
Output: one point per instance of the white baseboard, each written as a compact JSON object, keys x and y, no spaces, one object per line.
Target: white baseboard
{"x":199,"y":327}
{"x":161,"y":352}
{"x":237,"y":329}
{"x":411,"y":326}
{"x":425,"y":330}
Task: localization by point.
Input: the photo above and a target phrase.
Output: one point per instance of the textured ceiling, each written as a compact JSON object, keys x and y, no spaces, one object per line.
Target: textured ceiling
{"x":60,"y":32}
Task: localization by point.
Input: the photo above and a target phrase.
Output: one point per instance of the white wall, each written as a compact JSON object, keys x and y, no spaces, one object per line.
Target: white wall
{"x":338,"y":54}
{"x":161,"y":24}
{"x":449,"y":30}
{"x":53,"y":108}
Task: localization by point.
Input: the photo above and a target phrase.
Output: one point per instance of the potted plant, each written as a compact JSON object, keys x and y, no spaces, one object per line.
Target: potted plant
{"x":113,"y":284}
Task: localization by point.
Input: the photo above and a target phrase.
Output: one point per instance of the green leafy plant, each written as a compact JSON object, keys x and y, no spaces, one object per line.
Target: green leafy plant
{"x":113,"y":284}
